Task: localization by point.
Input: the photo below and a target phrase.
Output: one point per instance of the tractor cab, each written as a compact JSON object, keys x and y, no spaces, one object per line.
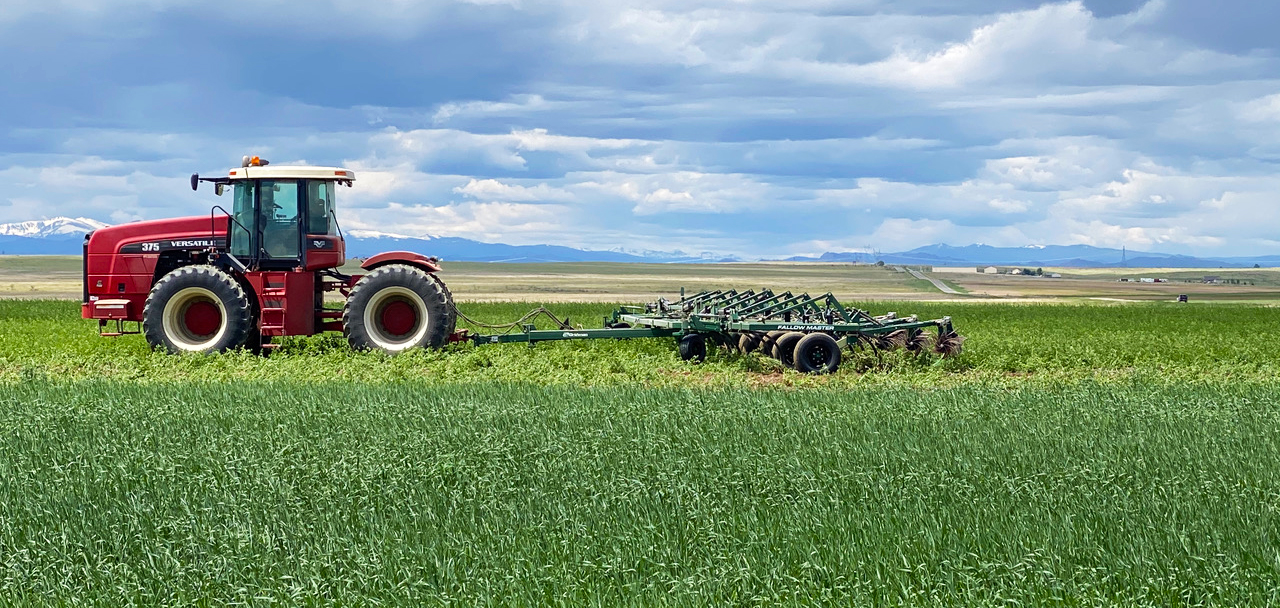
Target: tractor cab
{"x":282,"y":218}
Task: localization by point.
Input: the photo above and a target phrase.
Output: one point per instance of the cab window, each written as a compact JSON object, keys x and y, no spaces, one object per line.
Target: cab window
{"x":320,"y":214}
{"x":242,"y":213}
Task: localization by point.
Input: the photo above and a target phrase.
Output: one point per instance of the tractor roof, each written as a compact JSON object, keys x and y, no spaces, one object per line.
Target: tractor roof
{"x":292,"y":172}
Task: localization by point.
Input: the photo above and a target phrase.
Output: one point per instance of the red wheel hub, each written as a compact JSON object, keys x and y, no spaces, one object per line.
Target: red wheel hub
{"x":398,"y":318}
{"x":202,"y":318}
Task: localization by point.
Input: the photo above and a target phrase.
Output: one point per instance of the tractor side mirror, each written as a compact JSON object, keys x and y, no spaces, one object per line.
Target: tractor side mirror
{"x":195,"y":180}
{"x":218,"y":188}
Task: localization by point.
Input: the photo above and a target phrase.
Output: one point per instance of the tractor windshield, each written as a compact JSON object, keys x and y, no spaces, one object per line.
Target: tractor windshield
{"x":320,"y":212}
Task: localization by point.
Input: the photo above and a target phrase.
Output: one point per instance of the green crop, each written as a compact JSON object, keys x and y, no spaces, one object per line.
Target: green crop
{"x":113,"y":493}
{"x":1073,"y":455}
{"x":1045,"y":342}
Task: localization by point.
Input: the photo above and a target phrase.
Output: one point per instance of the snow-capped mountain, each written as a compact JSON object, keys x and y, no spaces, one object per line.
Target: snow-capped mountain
{"x":676,"y":255}
{"x":64,"y":236}
{"x":361,"y":233}
{"x":46,"y":228}
{"x":57,"y":236}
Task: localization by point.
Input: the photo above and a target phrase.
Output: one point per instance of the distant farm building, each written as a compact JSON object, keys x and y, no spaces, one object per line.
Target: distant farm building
{"x":1212,"y":279}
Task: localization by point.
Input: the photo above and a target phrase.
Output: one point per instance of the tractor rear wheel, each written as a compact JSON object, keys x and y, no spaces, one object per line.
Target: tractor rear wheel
{"x":784,"y":349}
{"x":817,"y":354}
{"x":197,"y":309}
{"x":398,"y":307}
{"x":451,"y":309}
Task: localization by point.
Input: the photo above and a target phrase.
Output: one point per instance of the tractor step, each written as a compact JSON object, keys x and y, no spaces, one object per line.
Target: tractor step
{"x":272,"y":323}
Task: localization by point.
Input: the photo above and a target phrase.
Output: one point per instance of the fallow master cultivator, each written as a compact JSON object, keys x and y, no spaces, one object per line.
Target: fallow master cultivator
{"x":803,"y":332}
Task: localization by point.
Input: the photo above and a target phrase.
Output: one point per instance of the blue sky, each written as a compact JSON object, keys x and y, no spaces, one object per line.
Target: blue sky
{"x":749,"y":127}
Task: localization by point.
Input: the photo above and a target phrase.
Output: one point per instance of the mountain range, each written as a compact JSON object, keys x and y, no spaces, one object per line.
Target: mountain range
{"x":1062,"y":256}
{"x":63,"y":236}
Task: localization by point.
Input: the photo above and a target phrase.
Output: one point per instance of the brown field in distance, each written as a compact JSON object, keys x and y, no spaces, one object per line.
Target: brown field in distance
{"x":1253,"y":283}
{"x":59,"y":277}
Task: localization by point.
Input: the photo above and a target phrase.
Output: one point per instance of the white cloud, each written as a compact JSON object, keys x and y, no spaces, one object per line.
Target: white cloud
{"x":520,"y":104}
{"x":494,"y":190}
{"x":1264,"y":109}
{"x":1007,"y":206}
{"x":678,"y":191}
{"x":515,"y":223}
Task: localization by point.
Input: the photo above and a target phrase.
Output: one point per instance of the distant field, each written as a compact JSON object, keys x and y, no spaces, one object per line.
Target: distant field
{"x":1249,"y":283}
{"x":59,"y":277}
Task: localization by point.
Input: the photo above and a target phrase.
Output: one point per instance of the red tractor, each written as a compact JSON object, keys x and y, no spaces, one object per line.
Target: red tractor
{"x":240,"y":278}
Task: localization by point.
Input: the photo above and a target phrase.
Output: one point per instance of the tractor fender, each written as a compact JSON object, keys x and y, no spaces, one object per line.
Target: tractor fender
{"x":426,"y":263}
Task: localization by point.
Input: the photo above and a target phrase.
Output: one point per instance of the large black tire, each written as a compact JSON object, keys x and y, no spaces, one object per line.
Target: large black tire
{"x":748,"y":341}
{"x":769,"y":339}
{"x":784,"y":349}
{"x":197,"y":309}
{"x":817,"y":354}
{"x":729,"y":342}
{"x":451,"y":309}
{"x":693,"y":347}
{"x":395,"y":308}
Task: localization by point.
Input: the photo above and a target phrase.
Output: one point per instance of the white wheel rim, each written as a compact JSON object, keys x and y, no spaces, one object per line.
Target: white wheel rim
{"x":379,"y":335}
{"x":174,"y":319}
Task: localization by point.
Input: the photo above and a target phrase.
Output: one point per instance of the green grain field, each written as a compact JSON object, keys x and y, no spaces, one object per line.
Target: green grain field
{"x":1073,"y":455}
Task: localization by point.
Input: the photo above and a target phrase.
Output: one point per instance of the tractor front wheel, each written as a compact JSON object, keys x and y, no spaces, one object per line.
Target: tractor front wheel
{"x":197,"y":309}
{"x":398,"y":307}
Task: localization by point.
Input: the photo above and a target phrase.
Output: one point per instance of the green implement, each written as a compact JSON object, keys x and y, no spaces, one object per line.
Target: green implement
{"x":804,"y":332}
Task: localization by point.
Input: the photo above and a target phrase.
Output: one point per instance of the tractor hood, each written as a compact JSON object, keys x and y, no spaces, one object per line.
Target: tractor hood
{"x":154,"y":236}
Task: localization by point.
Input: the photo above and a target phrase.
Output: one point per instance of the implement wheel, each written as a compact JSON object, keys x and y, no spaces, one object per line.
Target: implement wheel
{"x":395,"y":308}
{"x":748,"y":341}
{"x":817,"y":354}
{"x":197,"y":309}
{"x":784,"y":349}
{"x":693,"y":347}
{"x":769,"y":339}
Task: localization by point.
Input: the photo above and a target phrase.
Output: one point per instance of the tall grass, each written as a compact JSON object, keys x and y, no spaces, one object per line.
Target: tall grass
{"x":115,"y":493}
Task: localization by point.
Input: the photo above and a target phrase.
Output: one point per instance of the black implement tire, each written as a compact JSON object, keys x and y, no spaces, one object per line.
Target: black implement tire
{"x":693,"y":347}
{"x":197,"y":309}
{"x":769,"y":339}
{"x":395,"y":308}
{"x":729,"y":342}
{"x":748,"y":341}
{"x":784,"y":349}
{"x":817,"y":354}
